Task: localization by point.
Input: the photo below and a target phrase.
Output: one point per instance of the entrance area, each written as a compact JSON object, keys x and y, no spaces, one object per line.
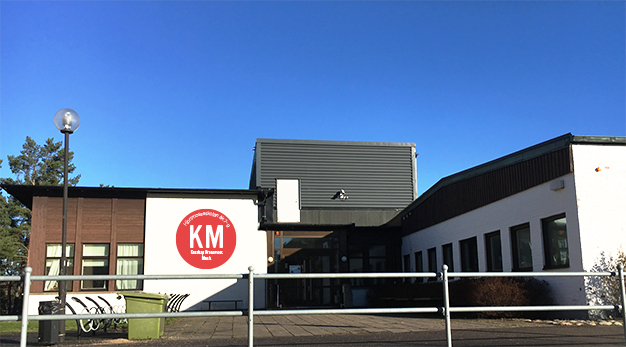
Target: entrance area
{"x":305,"y":252}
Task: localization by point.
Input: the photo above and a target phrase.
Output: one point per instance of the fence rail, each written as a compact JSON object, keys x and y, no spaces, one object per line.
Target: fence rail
{"x":444,"y":275}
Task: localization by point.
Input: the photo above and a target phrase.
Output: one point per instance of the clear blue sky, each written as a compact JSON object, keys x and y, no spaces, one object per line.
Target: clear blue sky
{"x":173,"y":94}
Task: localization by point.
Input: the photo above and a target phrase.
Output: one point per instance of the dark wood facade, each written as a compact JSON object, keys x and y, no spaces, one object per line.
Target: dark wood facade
{"x":495,"y":180}
{"x":89,"y":220}
{"x":474,"y":191}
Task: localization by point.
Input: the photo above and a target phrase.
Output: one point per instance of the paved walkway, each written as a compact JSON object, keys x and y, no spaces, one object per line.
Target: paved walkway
{"x":299,"y":325}
{"x":357,"y":330}
{"x":206,"y":328}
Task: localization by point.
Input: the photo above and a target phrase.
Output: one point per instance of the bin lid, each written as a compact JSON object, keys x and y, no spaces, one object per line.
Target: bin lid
{"x":144,"y":295}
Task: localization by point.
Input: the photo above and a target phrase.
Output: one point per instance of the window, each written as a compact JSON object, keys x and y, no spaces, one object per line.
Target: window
{"x":522,"y":251}
{"x":407,"y":263}
{"x":407,"y":266}
{"x":447,"y":256}
{"x":364,"y":258}
{"x":53,"y":264}
{"x":494,"y":251}
{"x":419,"y":265}
{"x":377,"y":261}
{"x":432,"y":262}
{"x":356,"y":263}
{"x":129,"y":262}
{"x":469,"y":255}
{"x":419,"y":262}
{"x":95,"y":262}
{"x":555,"y":242}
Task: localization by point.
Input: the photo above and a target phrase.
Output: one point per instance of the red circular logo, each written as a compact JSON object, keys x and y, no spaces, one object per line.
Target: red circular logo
{"x":206,"y":239}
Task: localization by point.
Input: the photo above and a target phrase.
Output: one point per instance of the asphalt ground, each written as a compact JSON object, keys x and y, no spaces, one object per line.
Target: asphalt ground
{"x":352,"y":330}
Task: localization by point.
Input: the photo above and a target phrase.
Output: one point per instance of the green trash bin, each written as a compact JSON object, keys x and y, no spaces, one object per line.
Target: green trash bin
{"x":145,"y":328}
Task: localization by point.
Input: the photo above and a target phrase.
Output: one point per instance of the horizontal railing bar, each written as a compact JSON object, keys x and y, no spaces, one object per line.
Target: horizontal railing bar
{"x":308,"y":275}
{"x":134,"y":277}
{"x":534,"y":308}
{"x":349,"y":311}
{"x":529,"y":274}
{"x":348,"y":275}
{"x":224,"y":313}
{"x":9,"y":318}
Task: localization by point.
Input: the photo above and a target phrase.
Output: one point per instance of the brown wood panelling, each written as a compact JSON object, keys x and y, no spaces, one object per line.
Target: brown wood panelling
{"x":113,"y":243}
{"x":89,"y":220}
{"x":96,"y":221}
{"x":78,"y":249}
{"x":53,"y":222}
{"x":37,"y":245}
{"x":130,"y":220}
{"x":476,"y":191}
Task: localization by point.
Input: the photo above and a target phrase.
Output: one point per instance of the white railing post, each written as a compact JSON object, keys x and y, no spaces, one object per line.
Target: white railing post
{"x":620,"y":268}
{"x":446,"y":304}
{"x":250,"y":306}
{"x":23,"y":337}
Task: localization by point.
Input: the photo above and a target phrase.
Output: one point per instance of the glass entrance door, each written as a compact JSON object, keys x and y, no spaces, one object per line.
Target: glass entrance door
{"x":307,"y":252}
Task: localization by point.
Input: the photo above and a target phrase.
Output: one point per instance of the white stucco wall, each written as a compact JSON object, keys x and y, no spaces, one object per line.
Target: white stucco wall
{"x":163,"y":216}
{"x":529,"y":206}
{"x":600,"y":176}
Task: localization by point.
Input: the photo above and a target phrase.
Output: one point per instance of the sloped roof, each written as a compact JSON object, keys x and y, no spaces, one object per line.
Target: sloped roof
{"x":486,"y":183}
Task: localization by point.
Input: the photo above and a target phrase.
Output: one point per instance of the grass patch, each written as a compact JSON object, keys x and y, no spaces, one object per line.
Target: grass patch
{"x":16,"y":327}
{"x":33,"y":326}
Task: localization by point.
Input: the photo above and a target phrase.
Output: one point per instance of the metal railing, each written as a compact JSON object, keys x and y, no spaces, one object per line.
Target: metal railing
{"x":444,"y":275}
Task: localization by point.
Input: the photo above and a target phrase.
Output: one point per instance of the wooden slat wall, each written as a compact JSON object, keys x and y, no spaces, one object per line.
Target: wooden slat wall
{"x":89,"y":220}
{"x":480,"y":190}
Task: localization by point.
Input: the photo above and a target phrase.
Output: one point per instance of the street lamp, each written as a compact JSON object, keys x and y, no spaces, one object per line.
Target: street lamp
{"x":67,"y":121}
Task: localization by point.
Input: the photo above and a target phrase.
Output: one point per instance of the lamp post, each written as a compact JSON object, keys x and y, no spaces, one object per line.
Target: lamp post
{"x":67,"y":121}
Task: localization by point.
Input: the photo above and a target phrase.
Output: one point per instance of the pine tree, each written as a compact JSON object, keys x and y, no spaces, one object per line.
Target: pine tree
{"x":36,"y":165}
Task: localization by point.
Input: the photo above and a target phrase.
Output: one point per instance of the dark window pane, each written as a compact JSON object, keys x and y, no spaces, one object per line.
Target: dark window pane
{"x":522,"y":251}
{"x":494,"y":251}
{"x":377,"y":251}
{"x":447,"y":256}
{"x":555,"y":242}
{"x":419,"y":265}
{"x":469,"y":255}
{"x":432,"y":262}
{"x":419,"y":262}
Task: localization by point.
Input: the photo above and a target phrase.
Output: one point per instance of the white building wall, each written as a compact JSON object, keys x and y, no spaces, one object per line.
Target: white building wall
{"x":529,"y":206}
{"x":163,"y":216}
{"x":600,"y":176}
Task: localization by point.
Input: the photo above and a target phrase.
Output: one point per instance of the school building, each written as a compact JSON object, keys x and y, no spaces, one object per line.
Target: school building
{"x":335,"y":206}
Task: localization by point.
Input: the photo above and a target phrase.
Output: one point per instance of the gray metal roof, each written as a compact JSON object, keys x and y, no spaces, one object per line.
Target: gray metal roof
{"x":373,"y":174}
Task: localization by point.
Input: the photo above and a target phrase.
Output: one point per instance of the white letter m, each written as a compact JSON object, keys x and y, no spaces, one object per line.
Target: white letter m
{"x":215,"y":237}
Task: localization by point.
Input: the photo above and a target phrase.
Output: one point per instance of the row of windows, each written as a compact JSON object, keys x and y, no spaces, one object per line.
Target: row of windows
{"x":556,"y":253}
{"x":95,"y":261}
